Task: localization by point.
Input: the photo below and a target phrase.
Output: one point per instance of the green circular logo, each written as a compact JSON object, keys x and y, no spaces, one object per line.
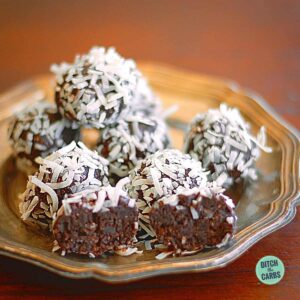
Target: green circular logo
{"x":269,"y":270}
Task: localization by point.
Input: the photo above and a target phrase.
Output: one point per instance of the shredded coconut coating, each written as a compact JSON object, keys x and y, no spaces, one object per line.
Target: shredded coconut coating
{"x":164,"y":173}
{"x":197,"y":194}
{"x":145,"y":100}
{"x":221,"y":140}
{"x":131,"y":140}
{"x":39,"y":130}
{"x":97,"y":89}
{"x":67,"y":171}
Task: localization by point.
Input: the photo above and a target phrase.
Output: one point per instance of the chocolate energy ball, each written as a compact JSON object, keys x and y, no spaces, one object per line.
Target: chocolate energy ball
{"x":39,"y":130}
{"x":69,"y":170}
{"x":97,"y":89}
{"x":193,"y":219}
{"x":163,"y":173}
{"x":96,"y":221}
{"x":221,"y":140}
{"x":131,"y":140}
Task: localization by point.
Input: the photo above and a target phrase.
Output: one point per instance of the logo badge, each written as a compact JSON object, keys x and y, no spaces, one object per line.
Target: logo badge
{"x":270,"y":270}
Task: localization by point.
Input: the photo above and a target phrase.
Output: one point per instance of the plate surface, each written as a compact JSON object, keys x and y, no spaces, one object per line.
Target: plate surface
{"x":264,"y":207}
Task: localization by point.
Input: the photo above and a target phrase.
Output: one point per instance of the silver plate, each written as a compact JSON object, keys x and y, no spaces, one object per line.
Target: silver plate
{"x":263,"y":208}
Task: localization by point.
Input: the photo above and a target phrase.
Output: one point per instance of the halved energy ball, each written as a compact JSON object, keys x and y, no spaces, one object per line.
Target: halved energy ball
{"x":95,"y":221}
{"x":131,"y":140}
{"x":69,"y":170}
{"x":193,"y":219}
{"x":162,"y":174}
{"x":97,"y":89}
{"x":39,"y":130}
{"x":222,"y":141}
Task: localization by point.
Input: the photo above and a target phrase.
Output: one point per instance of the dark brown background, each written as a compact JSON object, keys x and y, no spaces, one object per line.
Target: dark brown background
{"x":256,"y":43}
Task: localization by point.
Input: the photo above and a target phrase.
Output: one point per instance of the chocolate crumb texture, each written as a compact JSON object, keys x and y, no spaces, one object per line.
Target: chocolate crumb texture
{"x":194,"y":219}
{"x":96,"y":221}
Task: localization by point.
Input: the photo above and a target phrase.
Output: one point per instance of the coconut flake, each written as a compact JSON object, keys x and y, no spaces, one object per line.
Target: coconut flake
{"x":164,"y":255}
{"x":47,"y":189}
{"x":128,"y":251}
{"x":194,"y":213}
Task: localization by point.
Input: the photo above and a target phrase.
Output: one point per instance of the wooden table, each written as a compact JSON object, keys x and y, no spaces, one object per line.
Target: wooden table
{"x":256,"y":43}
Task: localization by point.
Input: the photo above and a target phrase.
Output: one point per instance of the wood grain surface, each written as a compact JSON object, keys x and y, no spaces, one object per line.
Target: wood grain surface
{"x":256,"y":43}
